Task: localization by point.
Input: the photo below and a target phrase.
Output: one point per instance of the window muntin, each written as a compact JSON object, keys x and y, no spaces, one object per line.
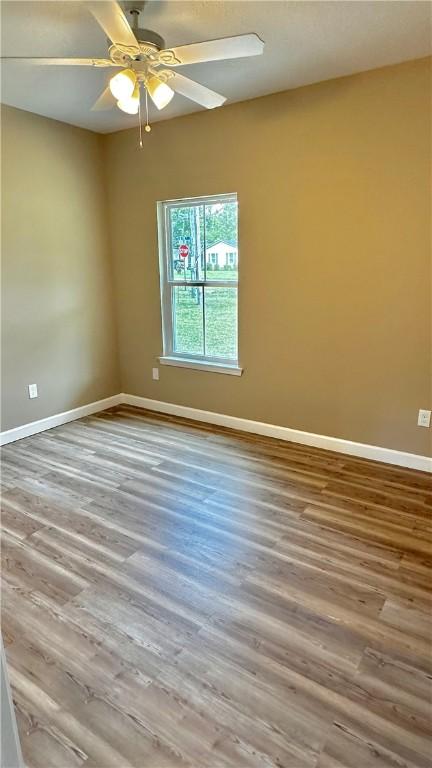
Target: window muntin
{"x":199,"y":278}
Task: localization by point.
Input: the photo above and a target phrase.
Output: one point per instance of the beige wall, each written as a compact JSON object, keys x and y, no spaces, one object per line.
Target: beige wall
{"x":335,"y":314}
{"x":334,"y":330}
{"x":57,"y":303}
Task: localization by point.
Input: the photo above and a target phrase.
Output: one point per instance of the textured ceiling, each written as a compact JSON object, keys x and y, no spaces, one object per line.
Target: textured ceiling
{"x":305,"y":42}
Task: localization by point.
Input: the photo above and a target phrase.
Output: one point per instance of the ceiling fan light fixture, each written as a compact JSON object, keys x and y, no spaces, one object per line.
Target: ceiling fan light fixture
{"x":130,"y":105}
{"x":159,"y":92}
{"x":122,"y":85}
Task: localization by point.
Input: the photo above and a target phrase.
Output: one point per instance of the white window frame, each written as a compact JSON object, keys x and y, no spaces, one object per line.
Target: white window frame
{"x":169,"y":356}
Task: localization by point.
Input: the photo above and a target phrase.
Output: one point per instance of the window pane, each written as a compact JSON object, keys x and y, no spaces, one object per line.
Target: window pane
{"x":221,"y":254}
{"x":200,"y":245}
{"x":186,"y":225}
{"x":221,"y":322}
{"x":188,"y":319}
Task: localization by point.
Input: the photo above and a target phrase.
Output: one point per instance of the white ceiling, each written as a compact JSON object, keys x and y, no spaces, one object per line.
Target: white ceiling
{"x":305,"y":42}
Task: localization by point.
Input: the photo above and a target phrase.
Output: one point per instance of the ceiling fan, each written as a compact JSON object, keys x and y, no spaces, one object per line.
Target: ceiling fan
{"x":143,"y":60}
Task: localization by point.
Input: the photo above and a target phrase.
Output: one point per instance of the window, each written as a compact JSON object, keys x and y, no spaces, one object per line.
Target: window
{"x":198,"y":295}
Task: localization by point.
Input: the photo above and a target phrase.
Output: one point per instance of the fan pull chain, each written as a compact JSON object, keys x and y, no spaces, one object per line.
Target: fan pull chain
{"x":147,"y":127}
{"x":139,"y":117}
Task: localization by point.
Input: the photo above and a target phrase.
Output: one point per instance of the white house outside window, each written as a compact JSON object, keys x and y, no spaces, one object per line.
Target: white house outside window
{"x":198,"y":257}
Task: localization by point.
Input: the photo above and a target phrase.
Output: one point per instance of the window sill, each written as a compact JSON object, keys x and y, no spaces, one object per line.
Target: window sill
{"x":184,"y":362}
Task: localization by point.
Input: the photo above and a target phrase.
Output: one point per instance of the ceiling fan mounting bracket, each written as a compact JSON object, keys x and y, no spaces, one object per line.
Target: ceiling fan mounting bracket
{"x":149,"y":42}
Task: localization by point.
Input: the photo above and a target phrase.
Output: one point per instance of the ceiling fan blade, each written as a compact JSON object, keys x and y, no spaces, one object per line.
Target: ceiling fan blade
{"x":60,"y":62}
{"x":114,"y":23}
{"x":193,"y":90}
{"x":213,"y":50}
{"x":105,"y":101}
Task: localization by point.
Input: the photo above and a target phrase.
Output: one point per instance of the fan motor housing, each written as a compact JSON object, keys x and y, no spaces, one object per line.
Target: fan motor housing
{"x":150,"y":42}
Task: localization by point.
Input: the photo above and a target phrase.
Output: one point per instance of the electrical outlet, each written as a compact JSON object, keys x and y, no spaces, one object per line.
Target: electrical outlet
{"x":155,"y":374}
{"x":424,"y":418}
{"x":32,"y":390}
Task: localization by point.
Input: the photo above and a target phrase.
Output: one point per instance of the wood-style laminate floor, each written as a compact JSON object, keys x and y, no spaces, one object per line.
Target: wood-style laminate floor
{"x":175,"y":594}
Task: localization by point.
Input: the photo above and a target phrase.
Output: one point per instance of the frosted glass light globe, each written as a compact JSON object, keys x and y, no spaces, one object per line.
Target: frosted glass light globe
{"x":122,"y":84}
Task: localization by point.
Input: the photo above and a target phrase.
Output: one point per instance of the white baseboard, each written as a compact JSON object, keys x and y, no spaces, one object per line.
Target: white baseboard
{"x":10,"y":435}
{"x":362,"y":450}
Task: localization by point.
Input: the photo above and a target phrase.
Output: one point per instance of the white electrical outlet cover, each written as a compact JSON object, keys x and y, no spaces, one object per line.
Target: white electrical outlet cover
{"x":32,"y":390}
{"x":424,"y":418}
{"x":155,"y":374}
